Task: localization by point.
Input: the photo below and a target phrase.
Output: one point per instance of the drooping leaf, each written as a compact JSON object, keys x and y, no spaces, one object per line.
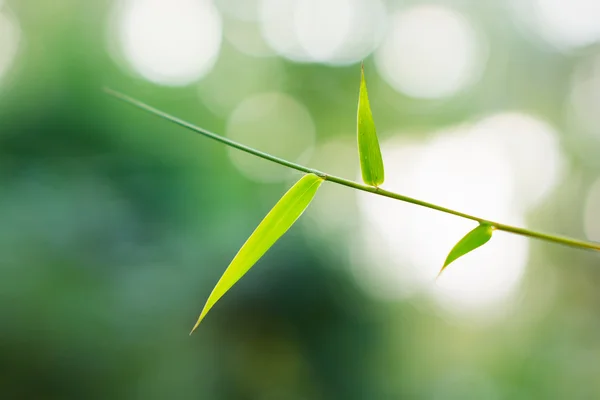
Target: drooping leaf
{"x":371,"y":163}
{"x":281,"y":217}
{"x":472,"y":240}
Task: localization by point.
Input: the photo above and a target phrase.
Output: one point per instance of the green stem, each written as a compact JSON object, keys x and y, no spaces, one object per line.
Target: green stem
{"x":345,"y":182}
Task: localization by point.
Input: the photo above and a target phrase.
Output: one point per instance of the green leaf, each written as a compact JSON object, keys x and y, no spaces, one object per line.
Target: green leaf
{"x":371,"y":163}
{"x":273,"y":226}
{"x":472,"y":240}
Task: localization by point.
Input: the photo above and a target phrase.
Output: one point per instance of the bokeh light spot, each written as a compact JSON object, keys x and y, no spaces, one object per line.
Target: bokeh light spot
{"x":237,"y":77}
{"x":533,"y":148}
{"x":321,"y":26}
{"x":172,"y":42}
{"x":406,"y":245}
{"x":336,"y":32}
{"x":563,"y":24}
{"x":430,"y":51}
{"x":275,"y":123}
{"x":584,"y":97}
{"x":10,"y":36}
{"x":276,"y":17}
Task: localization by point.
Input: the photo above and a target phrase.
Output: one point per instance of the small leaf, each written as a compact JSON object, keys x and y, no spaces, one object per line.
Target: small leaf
{"x":371,"y":163}
{"x":273,"y":226}
{"x":472,"y":240}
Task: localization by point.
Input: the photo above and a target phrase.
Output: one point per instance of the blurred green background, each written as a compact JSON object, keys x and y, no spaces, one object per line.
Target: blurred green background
{"x":116,"y":225}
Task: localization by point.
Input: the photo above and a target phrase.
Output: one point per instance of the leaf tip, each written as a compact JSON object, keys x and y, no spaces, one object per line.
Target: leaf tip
{"x":439,"y":274}
{"x":281,"y":217}
{"x":197,"y":324}
{"x":471,"y":241}
{"x":205,"y":311}
{"x":363,"y":83}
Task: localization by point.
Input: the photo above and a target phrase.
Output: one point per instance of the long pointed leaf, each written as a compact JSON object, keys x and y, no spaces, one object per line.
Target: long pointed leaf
{"x":281,"y":217}
{"x":371,"y":163}
{"x":472,"y":240}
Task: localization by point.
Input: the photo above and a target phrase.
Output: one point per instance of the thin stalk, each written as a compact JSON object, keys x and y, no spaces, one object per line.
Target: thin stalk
{"x":355,"y":185}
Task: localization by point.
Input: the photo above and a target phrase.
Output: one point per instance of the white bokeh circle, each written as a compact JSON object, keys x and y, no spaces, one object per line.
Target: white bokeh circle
{"x":336,"y":32}
{"x":534,"y":150}
{"x":431,"y":51}
{"x":173,"y":42}
{"x":498,"y":168}
{"x":564,"y":25}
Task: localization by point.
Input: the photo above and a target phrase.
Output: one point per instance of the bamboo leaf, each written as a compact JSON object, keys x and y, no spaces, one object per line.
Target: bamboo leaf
{"x":371,"y":163}
{"x":472,"y":240}
{"x":281,"y":217}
